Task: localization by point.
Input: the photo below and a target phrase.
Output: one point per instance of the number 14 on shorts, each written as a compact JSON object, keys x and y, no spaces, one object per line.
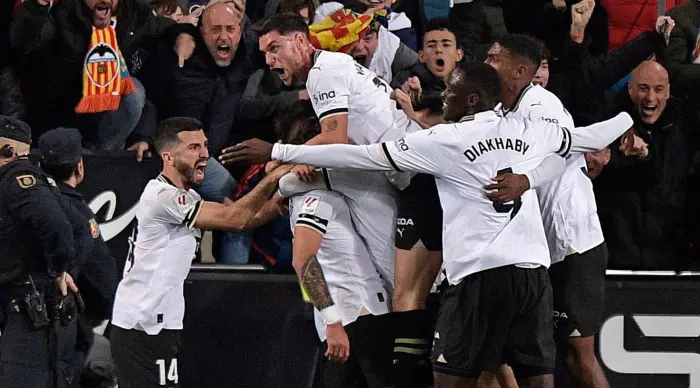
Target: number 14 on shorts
{"x":171,"y":376}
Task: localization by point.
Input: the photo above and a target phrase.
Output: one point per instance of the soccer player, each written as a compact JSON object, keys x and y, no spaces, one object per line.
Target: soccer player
{"x":149,"y":303}
{"x":568,"y":210}
{"x":354,"y":106}
{"x":499,"y":304}
{"x":333,"y":264}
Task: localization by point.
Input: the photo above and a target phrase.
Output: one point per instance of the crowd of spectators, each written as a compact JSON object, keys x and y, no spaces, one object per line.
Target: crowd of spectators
{"x":202,"y":60}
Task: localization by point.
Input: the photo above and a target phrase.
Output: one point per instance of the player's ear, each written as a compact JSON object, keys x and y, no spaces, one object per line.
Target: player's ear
{"x":473,"y":100}
{"x":521,"y":70}
{"x":167,"y":158}
{"x":460,"y":54}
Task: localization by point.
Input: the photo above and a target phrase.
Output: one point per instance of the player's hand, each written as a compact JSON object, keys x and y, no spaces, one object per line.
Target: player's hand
{"x":140,"y":148}
{"x":184,"y":48}
{"x":413,"y":89}
{"x":508,"y":187}
{"x":595,"y":161}
{"x":304,"y":173}
{"x":404,"y":101}
{"x":253,"y":151}
{"x":633,"y":145}
{"x":65,"y":282}
{"x":664,"y":26}
{"x":338,"y":343}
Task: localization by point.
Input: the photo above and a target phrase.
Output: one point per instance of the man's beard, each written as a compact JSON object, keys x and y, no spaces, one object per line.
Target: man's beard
{"x":186,"y":172}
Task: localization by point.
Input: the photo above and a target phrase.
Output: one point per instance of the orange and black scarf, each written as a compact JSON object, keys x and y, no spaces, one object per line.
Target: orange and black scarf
{"x":105,"y":75}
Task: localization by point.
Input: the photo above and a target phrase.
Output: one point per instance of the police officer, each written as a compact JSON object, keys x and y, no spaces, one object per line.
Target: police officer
{"x":95,"y":270}
{"x":37,"y":250}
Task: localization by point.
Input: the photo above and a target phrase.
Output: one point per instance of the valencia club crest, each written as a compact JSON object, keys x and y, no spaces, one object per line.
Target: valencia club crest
{"x":102,"y":65}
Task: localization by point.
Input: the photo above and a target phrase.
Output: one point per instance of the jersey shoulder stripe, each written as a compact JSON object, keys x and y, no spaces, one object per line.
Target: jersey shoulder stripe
{"x":313,"y":222}
{"x":393,"y":164}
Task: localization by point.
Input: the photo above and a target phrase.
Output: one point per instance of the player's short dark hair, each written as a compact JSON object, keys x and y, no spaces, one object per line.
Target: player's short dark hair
{"x":168,"y":7}
{"x":61,"y":172}
{"x":522,"y":46}
{"x":295,"y":6}
{"x":284,"y":23}
{"x":168,"y":129}
{"x":483,"y":80}
{"x":298,"y":123}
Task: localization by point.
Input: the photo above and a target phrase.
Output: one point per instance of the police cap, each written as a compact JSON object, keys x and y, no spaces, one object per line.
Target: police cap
{"x":16,"y":130}
{"x":61,"y":145}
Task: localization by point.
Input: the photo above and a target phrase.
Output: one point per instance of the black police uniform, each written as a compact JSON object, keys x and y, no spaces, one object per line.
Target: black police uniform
{"x":37,"y":244}
{"x":95,"y":270}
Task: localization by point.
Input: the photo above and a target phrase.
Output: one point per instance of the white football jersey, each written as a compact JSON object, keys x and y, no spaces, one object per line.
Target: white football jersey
{"x":477,"y":234}
{"x":352,"y":279}
{"x":568,"y":204}
{"x":337,"y":84}
{"x":373,"y":206}
{"x":163,"y":246}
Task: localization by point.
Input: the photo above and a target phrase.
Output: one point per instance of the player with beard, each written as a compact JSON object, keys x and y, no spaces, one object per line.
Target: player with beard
{"x":354,"y":106}
{"x":498,"y":306}
{"x":575,"y":238}
{"x":149,"y":303}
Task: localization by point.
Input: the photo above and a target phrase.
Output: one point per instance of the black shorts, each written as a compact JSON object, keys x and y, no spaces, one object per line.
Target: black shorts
{"x":419,"y":220}
{"x":501,"y":315}
{"x":145,"y":361}
{"x":369,"y":364}
{"x":578,"y":284}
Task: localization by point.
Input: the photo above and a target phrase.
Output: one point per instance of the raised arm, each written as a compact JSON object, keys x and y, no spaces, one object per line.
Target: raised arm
{"x":237,"y":215}
{"x":592,"y":138}
{"x":427,"y":151}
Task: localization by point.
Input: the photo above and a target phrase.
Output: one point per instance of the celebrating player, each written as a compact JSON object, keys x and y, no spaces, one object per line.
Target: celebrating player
{"x":149,"y":303}
{"x":499,"y":304}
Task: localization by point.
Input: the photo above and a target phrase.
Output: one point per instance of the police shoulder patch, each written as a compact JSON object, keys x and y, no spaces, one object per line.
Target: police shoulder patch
{"x":26,"y":181}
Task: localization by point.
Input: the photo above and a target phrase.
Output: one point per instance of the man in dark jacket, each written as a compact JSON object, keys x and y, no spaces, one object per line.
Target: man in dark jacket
{"x":648,"y":209}
{"x":682,"y":57}
{"x":53,"y":41}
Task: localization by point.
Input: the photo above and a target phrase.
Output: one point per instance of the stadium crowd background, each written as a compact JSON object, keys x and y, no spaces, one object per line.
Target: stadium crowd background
{"x":648,"y":209}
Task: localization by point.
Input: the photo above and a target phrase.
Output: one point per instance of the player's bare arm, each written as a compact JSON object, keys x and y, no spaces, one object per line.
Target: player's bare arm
{"x":334,"y":130}
{"x":274,"y":208}
{"x":237,"y":215}
{"x":307,"y":242}
{"x":254,"y":151}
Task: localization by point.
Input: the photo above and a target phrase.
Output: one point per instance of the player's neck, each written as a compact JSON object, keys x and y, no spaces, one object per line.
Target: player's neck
{"x":308,"y":63}
{"x":511,"y":93}
{"x":174,"y":177}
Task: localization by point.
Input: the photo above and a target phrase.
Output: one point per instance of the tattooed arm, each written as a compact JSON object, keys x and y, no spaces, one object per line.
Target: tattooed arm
{"x":306,"y":244}
{"x":307,"y":241}
{"x":334,"y":130}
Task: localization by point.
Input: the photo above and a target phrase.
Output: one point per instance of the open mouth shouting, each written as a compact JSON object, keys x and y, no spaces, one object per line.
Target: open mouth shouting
{"x":284,"y":76}
{"x":102,"y":13}
{"x":199,"y":170}
{"x":440,"y":65}
{"x":224,"y":51}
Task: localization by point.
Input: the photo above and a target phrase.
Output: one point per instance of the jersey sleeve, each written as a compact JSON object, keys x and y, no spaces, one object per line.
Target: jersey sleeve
{"x":177,"y":207}
{"x":592,"y":138}
{"x":329,"y":89}
{"x":428,"y":151}
{"x":314,"y":214}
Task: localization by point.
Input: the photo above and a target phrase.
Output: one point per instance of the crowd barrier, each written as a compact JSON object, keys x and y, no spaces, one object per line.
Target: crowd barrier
{"x":245,"y":328}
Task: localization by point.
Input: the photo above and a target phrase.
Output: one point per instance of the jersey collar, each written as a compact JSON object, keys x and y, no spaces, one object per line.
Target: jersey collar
{"x":164,"y":179}
{"x":68,"y":190}
{"x":486,"y":115}
{"x":517,"y":102}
